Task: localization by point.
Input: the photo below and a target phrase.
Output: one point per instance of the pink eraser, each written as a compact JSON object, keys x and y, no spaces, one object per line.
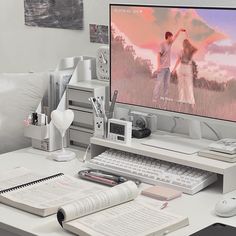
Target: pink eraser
{"x":161,"y":193}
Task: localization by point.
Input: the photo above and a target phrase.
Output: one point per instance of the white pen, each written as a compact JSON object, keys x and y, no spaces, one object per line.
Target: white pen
{"x":103,"y":105}
{"x":86,"y":153}
{"x":99,"y":106}
{"x":164,"y":205}
{"x":91,"y":99}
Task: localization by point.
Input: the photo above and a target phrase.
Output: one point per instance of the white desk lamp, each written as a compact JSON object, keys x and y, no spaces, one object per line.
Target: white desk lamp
{"x":62,"y":121}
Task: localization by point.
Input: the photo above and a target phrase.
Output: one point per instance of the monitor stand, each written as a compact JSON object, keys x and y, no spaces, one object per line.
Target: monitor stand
{"x":180,"y":143}
{"x":194,"y":129}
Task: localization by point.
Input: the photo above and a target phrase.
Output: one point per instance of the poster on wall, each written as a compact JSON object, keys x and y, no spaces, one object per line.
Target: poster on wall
{"x":54,"y":14}
{"x":98,"y":33}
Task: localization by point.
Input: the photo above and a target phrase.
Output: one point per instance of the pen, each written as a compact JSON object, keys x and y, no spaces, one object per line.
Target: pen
{"x":117,"y":179}
{"x":86,"y":153}
{"x":107,"y":176}
{"x":34,"y":118}
{"x":101,"y":102}
{"x":99,"y":106}
{"x":103,"y":105}
{"x":100,"y":179}
{"x":91,"y":99}
{"x":164,"y":205}
{"x":103,"y":109}
{"x":113,"y":102}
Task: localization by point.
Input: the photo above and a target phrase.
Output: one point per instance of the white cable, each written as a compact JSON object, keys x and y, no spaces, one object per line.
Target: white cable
{"x":175,"y":124}
{"x":218,"y":136}
{"x":213,"y":130}
{"x":86,"y":153}
{"x":175,"y":118}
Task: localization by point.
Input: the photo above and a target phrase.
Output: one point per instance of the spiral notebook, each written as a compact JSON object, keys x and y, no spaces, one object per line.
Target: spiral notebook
{"x":40,"y":195}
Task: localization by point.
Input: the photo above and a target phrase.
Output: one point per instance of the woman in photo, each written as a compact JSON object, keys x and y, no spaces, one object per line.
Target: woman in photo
{"x":185,"y":73}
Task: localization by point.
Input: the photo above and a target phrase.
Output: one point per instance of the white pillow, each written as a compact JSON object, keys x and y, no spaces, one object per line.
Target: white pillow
{"x":20,"y":95}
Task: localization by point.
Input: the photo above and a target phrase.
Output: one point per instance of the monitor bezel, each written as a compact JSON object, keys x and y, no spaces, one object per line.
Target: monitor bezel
{"x":159,"y":111}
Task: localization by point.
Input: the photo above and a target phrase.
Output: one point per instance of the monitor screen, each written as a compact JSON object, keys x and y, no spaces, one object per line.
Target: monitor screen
{"x":178,"y":59}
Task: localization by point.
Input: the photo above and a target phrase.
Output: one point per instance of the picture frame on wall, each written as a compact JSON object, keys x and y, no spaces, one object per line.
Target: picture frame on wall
{"x":98,"y":33}
{"x":55,"y":14}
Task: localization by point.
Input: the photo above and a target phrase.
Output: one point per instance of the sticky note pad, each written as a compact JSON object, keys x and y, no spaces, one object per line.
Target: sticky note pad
{"x":161,"y":193}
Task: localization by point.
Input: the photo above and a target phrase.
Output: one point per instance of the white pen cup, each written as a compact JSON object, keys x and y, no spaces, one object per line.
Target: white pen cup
{"x":99,"y":127}
{"x":101,"y":124}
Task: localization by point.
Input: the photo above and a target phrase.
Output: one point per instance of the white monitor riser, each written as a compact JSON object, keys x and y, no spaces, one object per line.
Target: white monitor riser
{"x":224,"y":169}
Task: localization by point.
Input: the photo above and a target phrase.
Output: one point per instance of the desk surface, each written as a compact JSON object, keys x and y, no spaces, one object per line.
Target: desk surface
{"x":199,"y":208}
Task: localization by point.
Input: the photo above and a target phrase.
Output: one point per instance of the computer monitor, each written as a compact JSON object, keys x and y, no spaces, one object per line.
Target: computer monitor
{"x":180,"y":61}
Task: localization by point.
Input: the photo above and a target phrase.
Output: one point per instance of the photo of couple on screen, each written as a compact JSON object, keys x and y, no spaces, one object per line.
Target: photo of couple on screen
{"x":175,"y":59}
{"x":185,"y":66}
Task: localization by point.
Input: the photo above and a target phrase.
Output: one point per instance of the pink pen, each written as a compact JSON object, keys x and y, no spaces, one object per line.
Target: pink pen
{"x":100,"y":179}
{"x":164,"y":205}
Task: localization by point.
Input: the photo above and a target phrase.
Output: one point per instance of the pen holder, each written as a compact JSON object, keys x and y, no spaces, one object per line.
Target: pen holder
{"x":101,"y":125}
{"x":37,"y":132}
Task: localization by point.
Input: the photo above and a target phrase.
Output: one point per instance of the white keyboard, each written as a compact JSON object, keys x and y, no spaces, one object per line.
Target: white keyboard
{"x":148,"y":170}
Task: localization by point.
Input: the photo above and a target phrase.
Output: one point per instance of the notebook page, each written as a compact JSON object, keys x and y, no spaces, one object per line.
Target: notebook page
{"x":101,"y":200}
{"x":53,"y":192}
{"x":129,"y":219}
{"x":17,"y":176}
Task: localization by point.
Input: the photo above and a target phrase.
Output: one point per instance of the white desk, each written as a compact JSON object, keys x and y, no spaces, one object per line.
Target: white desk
{"x":199,"y":208}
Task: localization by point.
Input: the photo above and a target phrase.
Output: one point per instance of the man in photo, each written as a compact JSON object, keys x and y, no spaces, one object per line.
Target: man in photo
{"x":163,"y":63}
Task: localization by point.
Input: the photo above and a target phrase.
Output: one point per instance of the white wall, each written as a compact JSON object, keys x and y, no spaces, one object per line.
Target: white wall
{"x":24,"y":48}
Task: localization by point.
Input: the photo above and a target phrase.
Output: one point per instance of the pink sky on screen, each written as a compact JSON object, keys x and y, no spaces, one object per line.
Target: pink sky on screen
{"x":144,"y":29}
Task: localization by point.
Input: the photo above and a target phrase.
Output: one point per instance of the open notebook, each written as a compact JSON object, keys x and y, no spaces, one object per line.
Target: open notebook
{"x":115,"y":212}
{"x":40,"y":195}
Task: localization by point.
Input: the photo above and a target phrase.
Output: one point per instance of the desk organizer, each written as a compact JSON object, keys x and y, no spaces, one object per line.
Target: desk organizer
{"x":77,"y":99}
{"x":71,"y":69}
{"x":46,"y":137}
{"x":37,"y":132}
{"x":82,"y":85}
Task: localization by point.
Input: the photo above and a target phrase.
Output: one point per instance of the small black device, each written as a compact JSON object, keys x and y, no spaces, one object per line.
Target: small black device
{"x":216,"y":229}
{"x":141,"y":133}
